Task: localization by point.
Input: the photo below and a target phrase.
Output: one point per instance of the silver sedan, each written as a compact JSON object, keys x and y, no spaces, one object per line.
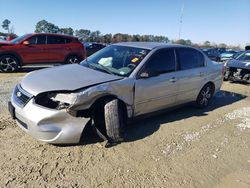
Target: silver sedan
{"x":120,"y":82}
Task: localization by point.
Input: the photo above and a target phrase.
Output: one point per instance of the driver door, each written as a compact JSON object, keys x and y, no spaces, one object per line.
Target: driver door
{"x":34,"y":52}
{"x":159,"y":90}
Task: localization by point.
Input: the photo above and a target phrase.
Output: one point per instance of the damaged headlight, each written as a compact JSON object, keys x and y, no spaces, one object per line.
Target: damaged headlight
{"x":55,"y":100}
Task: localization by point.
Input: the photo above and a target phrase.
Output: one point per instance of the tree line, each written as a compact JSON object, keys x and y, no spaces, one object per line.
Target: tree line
{"x":44,"y":26}
{"x":86,"y":35}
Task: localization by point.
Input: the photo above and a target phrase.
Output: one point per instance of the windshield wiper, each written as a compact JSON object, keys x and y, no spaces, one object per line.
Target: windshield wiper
{"x":99,"y":67}
{"x":105,"y":68}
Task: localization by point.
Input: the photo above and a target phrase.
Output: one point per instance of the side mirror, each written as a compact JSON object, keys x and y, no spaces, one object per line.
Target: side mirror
{"x":26,"y":43}
{"x":144,"y":75}
{"x":148,"y":74}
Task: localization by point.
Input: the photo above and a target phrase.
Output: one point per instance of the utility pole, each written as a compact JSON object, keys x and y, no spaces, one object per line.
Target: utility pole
{"x":181,"y":16}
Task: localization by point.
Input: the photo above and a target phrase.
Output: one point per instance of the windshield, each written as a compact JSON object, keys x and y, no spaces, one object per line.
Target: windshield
{"x":114,"y":59}
{"x":244,"y":56}
{"x":19,"y":39}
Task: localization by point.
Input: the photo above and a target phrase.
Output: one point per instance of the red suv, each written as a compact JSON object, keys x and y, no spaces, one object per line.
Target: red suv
{"x":40,"y":48}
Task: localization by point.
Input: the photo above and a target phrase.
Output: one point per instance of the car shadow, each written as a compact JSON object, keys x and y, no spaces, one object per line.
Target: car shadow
{"x":147,"y":125}
{"x":239,"y":83}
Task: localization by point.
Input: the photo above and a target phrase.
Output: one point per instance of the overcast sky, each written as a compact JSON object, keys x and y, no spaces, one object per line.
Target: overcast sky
{"x":220,"y":21}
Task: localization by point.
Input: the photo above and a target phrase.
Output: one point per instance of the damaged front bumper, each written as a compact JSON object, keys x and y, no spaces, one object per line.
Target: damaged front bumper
{"x":48,"y":125}
{"x":237,"y":74}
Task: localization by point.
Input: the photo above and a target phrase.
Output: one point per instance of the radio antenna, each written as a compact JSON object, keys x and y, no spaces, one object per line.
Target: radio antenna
{"x":181,"y":16}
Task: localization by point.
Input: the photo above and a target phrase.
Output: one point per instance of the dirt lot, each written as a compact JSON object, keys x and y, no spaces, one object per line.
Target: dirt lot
{"x":184,"y":148}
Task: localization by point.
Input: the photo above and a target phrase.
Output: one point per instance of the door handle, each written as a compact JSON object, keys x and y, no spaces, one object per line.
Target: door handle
{"x":172,"y":80}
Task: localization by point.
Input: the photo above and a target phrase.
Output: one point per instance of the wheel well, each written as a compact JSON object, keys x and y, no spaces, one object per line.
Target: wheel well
{"x":104,"y":99}
{"x":99,"y":103}
{"x":19,"y":59}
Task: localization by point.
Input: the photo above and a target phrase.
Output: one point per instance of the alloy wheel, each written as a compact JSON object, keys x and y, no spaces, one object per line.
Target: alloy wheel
{"x":73,"y":60}
{"x":8,"y":64}
{"x":206,"y":95}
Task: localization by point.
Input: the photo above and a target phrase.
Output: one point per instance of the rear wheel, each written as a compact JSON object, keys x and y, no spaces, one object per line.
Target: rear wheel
{"x":205,"y":96}
{"x":72,"y":60}
{"x":8,"y":63}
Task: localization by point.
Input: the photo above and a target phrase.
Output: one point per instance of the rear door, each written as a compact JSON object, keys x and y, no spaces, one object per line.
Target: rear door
{"x":157,"y":91}
{"x":57,"y":48}
{"x":192,"y":74}
{"x":35,"y":51}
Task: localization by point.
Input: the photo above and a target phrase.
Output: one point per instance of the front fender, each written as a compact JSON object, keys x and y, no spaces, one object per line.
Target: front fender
{"x":121,"y":89}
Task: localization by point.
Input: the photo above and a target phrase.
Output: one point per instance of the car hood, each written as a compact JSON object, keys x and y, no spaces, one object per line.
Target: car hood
{"x":239,"y":64}
{"x":64,"y":78}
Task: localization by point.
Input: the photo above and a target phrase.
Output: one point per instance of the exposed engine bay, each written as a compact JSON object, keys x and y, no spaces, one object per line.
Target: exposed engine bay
{"x":237,"y":74}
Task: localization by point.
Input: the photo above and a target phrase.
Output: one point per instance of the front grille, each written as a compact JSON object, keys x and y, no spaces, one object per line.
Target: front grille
{"x":21,"y":96}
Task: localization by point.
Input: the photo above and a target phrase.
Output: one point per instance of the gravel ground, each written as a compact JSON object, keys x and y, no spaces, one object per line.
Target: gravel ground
{"x":7,"y":84}
{"x":184,"y":148}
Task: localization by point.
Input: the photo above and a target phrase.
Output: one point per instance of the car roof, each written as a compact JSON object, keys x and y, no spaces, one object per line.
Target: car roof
{"x":54,"y":34}
{"x":148,"y":45}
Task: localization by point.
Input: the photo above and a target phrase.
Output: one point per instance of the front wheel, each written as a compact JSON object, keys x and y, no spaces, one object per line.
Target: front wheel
{"x":8,"y":63}
{"x":205,"y":96}
{"x":115,"y":120}
{"x":72,"y":60}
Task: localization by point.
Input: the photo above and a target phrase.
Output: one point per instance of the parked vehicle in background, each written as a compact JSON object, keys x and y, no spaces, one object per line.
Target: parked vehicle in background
{"x":221,"y":50}
{"x":227,"y":55}
{"x":237,"y":54}
{"x":247,"y":47}
{"x":212,"y":53}
{"x":2,"y":38}
{"x":120,"y":82}
{"x":238,"y":69}
{"x":11,"y":37}
{"x":92,"y":48}
{"x":40,"y":48}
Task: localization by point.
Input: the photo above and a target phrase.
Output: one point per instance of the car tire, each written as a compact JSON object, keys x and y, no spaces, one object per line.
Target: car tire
{"x":115,"y":119}
{"x":8,"y":63}
{"x":205,"y":96}
{"x":72,"y":60}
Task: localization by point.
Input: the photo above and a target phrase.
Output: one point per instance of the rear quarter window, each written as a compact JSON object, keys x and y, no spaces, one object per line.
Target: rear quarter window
{"x":189,"y":58}
{"x":67,"y":40}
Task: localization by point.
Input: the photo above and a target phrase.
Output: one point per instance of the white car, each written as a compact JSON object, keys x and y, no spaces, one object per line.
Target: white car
{"x":120,"y":82}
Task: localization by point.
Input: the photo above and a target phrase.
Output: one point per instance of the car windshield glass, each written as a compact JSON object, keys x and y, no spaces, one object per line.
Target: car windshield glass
{"x":114,"y":59}
{"x":19,"y":39}
{"x":244,"y":56}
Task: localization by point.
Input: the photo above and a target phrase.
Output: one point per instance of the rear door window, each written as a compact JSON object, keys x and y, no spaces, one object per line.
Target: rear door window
{"x":189,"y":58}
{"x":55,"y":40}
{"x":67,"y":40}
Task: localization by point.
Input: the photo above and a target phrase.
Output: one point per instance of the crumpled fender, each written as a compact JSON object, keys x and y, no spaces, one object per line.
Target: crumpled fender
{"x":121,"y":89}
